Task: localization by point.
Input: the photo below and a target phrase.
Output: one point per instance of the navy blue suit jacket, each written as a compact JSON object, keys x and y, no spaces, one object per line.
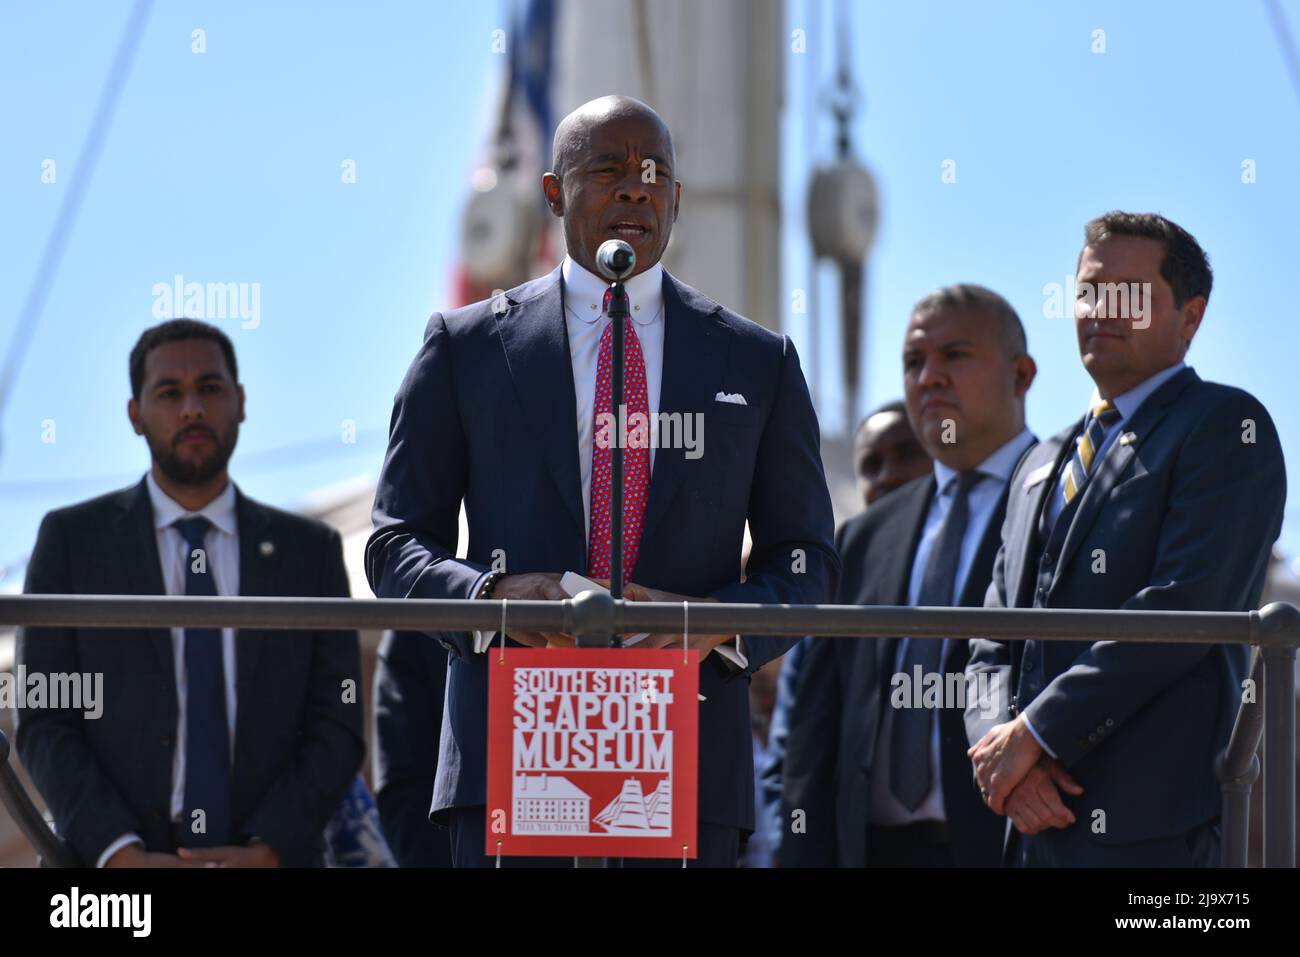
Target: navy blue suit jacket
{"x":1180,"y":515}
{"x":487,"y":415}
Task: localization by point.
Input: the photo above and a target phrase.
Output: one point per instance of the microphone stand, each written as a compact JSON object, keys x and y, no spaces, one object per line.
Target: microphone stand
{"x":618,"y":311}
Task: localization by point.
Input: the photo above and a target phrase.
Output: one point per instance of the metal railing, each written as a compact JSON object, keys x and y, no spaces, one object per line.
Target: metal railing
{"x":595,"y":617}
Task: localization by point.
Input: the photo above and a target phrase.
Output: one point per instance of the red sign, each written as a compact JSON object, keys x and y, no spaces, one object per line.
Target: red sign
{"x":592,"y":752}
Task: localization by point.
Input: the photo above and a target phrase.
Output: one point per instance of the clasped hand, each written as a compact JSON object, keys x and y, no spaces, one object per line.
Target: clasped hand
{"x":1019,"y":780}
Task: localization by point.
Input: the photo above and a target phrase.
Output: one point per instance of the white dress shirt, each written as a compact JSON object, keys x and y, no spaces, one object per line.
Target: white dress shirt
{"x":1127,"y":404}
{"x":586,"y":323}
{"x":982,"y":501}
{"x":222,"y":547}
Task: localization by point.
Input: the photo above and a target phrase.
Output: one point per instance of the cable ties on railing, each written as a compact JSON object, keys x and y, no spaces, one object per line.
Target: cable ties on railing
{"x":501,"y":658}
{"x":686,"y":630}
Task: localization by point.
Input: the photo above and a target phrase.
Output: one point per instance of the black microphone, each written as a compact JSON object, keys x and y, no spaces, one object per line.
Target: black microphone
{"x":615,"y":259}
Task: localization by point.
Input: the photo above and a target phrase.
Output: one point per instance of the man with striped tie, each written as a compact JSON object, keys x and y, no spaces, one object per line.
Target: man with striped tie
{"x":502,"y":410}
{"x":1166,"y":495}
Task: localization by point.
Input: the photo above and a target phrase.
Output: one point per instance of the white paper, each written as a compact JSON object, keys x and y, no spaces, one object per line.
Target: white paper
{"x":575,"y":584}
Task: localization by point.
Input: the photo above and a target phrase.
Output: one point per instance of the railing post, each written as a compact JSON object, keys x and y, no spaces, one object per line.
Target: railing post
{"x":1237,"y":768}
{"x":1279,"y":635}
{"x":1236,"y":813}
{"x":52,"y":851}
{"x":593,"y":624}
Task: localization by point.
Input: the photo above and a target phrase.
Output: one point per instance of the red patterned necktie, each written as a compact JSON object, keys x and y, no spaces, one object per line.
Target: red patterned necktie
{"x":636,"y":452}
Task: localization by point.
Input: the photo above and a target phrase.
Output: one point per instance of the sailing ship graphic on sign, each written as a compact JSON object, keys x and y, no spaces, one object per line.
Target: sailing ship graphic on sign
{"x":552,"y":804}
{"x":633,"y":814}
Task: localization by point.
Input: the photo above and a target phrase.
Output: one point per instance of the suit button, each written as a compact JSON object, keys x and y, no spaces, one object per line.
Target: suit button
{"x":1029,"y":666}
{"x":1047,"y":558}
{"x":1110,"y":722}
{"x":1092,"y":738}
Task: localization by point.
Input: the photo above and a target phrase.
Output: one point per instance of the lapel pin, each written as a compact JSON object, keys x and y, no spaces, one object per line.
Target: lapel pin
{"x":1037,"y":475}
{"x":267,"y":549}
{"x":1128,"y":438}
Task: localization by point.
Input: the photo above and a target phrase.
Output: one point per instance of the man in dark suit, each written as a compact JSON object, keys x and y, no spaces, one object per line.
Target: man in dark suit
{"x":213,"y":746}
{"x":886,"y":455}
{"x":871,"y":778}
{"x":410,"y":687}
{"x":499,"y":412}
{"x":1166,"y":496}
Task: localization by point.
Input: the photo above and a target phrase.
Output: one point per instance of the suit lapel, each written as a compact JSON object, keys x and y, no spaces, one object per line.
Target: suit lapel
{"x":896,"y":579}
{"x":138,"y":544}
{"x":1054,"y":450}
{"x":536,"y":342}
{"x":694,"y":361}
{"x":981,"y":570}
{"x":892,"y":552}
{"x":1117,"y":460}
{"x":977,"y":581}
{"x":258,"y":564}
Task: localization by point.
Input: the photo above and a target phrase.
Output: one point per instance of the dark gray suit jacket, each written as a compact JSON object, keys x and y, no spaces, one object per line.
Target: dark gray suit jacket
{"x":1180,"y":515}
{"x":297,"y":744}
{"x":486,"y":416}
{"x":845,"y":687}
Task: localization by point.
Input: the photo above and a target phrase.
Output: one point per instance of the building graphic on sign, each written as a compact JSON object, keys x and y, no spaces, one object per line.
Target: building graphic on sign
{"x":632,"y":813}
{"x":550,"y":804}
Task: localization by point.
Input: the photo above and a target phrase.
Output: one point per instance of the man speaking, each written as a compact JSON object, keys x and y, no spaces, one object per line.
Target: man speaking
{"x":501,"y":411}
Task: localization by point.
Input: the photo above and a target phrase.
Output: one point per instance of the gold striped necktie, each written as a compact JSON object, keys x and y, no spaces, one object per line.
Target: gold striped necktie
{"x":1100,"y":418}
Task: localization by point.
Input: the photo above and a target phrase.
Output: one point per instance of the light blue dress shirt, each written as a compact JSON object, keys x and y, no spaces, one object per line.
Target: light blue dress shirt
{"x":1128,"y":404}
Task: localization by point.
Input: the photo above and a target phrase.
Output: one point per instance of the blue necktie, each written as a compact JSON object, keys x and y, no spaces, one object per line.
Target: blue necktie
{"x":207,"y":736}
{"x":909,"y":746}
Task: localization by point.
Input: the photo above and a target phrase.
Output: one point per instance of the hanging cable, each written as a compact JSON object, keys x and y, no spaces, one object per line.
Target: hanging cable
{"x":1286,"y":42}
{"x":66,"y":219}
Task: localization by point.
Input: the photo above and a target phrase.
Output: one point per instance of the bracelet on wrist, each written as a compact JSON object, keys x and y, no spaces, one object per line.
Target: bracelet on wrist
{"x":489,"y":584}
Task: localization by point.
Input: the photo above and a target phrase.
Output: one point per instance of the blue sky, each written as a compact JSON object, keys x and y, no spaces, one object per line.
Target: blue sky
{"x":225,"y":167}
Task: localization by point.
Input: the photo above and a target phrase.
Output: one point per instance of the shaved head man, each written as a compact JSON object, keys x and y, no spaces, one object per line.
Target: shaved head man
{"x":506,"y":410}
{"x":611,"y":177}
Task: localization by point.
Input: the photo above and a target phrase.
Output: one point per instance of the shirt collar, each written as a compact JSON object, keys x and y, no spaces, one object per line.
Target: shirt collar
{"x":1132,"y":400}
{"x":166,"y":510}
{"x":999,"y":465}
{"x":584,"y":292}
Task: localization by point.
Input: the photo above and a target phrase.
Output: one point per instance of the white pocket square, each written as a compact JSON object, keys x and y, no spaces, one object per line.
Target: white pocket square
{"x":735,"y":398}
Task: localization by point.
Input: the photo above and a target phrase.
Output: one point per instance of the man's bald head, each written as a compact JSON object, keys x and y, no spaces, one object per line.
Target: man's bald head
{"x":573,"y":135}
{"x":612,"y":177}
